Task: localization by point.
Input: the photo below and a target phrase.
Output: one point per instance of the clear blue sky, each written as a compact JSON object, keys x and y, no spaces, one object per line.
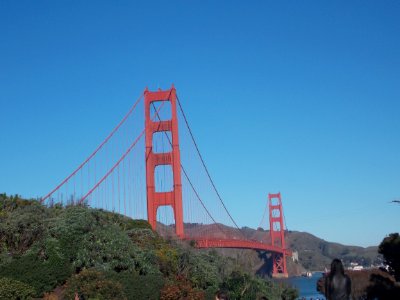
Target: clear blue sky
{"x":301,"y":97}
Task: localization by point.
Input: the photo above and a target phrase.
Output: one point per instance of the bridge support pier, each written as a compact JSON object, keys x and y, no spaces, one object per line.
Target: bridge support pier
{"x":165,"y":198}
{"x":279,"y":266}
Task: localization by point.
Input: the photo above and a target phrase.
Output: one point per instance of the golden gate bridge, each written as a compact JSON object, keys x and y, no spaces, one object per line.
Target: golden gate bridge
{"x":143,"y":169}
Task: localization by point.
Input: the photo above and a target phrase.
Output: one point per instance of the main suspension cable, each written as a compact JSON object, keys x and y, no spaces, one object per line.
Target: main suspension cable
{"x":263,"y":217}
{"x":95,"y":151}
{"x":188,"y":179}
{"x":118,"y":162}
{"x":204,"y":165}
{"x":113,"y":168}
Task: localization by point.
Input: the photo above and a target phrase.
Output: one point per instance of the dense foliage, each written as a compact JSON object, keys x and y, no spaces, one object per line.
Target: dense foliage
{"x":61,"y":252}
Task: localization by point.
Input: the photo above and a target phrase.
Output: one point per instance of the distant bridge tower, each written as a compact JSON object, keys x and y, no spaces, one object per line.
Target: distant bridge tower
{"x":167,"y":198}
{"x":277,"y":232}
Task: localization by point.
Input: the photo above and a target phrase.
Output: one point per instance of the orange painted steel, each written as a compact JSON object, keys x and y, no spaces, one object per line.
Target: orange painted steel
{"x":236,"y":243}
{"x":171,"y":198}
{"x":277,"y":232}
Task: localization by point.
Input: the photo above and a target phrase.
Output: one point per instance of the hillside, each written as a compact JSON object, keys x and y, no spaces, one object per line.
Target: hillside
{"x":314,"y":253}
{"x":60,"y":252}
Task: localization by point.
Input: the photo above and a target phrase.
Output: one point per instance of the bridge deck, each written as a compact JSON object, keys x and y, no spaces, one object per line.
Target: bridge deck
{"x":241,"y":244}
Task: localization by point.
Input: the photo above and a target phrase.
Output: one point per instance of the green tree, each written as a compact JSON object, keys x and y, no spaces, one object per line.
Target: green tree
{"x":390,"y":249}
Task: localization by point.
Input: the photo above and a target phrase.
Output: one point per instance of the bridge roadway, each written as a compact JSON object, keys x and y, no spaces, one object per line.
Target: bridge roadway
{"x":236,"y":243}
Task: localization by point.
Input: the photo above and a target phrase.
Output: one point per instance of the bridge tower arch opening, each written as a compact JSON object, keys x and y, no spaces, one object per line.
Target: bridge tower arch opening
{"x":155,"y":124}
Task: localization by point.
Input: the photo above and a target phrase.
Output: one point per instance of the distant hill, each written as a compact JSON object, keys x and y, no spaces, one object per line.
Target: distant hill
{"x":314,"y":253}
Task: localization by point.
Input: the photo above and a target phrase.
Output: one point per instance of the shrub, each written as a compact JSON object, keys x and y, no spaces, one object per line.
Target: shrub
{"x":145,"y":238}
{"x":139,"y":286}
{"x":43,"y":267}
{"x":245,"y":286}
{"x":103,"y":217}
{"x":203,"y":271}
{"x":109,"y":248}
{"x":70,"y":226}
{"x":93,"y":284}
{"x":167,"y":259}
{"x":137,"y":224}
{"x":13,"y":289}
{"x":19,"y":230}
{"x":180,"y":288}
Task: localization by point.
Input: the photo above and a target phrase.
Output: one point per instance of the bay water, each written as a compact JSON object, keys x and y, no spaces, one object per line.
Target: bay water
{"x":307,"y":286}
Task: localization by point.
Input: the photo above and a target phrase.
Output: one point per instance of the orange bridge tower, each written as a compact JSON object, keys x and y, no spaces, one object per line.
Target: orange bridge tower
{"x":277,"y":232}
{"x":172,"y":198}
